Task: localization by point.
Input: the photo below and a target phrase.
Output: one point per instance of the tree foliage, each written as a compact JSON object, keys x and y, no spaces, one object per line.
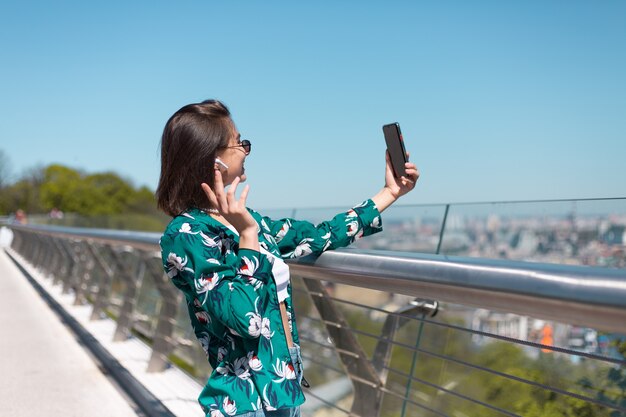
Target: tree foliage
{"x":504,"y":375}
{"x":101,"y":199}
{"x":5,"y":169}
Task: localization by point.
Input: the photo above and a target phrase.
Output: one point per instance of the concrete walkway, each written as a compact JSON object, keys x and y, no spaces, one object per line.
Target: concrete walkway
{"x":44,"y":371}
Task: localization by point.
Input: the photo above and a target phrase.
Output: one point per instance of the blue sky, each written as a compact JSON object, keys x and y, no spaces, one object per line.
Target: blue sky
{"x":496,"y":100}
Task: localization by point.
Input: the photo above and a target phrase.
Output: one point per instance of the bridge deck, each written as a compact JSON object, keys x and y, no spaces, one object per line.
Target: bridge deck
{"x":44,"y":370}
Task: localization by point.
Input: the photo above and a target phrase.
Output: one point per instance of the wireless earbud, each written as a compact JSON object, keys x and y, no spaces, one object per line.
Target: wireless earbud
{"x":219,"y":162}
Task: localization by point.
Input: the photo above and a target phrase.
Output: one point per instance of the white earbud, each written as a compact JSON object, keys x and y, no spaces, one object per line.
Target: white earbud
{"x":219,"y":162}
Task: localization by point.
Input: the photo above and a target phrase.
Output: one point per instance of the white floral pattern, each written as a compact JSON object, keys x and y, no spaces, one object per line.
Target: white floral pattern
{"x":254,"y":327}
{"x":209,"y":241}
{"x":270,"y":239}
{"x":303,"y":249}
{"x":229,"y":406}
{"x":204,"y":283}
{"x":254,"y":362}
{"x":240,"y":368}
{"x":327,"y":241}
{"x":186,"y":228}
{"x":283,"y":231}
{"x":176,"y":264}
{"x":265,"y":328}
{"x":221,"y":353}
{"x":266,"y":401}
{"x":284,"y":370}
{"x":352,"y":228}
{"x":205,"y":339}
{"x":249,"y":266}
{"x":203,"y":317}
{"x":376,"y":223}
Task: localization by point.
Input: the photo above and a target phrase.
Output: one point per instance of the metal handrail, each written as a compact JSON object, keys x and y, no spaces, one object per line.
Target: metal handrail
{"x":581,"y":295}
{"x":589,"y":296}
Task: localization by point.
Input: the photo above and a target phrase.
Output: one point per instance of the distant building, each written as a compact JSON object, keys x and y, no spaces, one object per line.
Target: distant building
{"x":615,"y":235}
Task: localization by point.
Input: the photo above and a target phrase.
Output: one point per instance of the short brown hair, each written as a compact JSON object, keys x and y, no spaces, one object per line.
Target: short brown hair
{"x":188,"y":146}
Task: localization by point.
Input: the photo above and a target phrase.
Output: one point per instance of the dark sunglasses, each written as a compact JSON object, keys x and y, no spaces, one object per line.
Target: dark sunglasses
{"x":245,"y":144}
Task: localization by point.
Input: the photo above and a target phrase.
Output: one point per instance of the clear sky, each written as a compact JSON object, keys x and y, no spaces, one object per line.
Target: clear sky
{"x":497,"y":100}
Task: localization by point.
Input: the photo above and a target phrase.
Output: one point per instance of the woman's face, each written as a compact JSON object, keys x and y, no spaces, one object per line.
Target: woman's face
{"x":234,"y":157}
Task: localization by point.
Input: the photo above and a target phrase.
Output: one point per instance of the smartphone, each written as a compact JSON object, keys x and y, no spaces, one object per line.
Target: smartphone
{"x":395,"y":147}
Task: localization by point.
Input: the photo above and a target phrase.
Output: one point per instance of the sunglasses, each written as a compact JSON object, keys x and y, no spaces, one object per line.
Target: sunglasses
{"x":245,"y":144}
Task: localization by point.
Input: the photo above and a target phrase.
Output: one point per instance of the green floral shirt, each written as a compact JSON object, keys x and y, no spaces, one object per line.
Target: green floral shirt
{"x":233,"y":304}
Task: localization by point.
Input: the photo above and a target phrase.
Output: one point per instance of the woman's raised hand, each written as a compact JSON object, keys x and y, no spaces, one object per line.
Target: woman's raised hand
{"x":400,"y":186}
{"x":395,"y":187}
{"x":233,"y":209}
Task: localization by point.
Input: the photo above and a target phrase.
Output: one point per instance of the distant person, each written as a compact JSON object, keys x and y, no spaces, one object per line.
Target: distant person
{"x":228,"y":261}
{"x":20,"y":217}
{"x":55,"y":213}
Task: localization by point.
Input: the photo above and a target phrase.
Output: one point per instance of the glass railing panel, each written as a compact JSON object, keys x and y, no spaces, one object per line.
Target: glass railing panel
{"x":580,"y":232}
{"x":96,"y":280}
{"x":405,"y":228}
{"x":188,"y":353}
{"x":147,"y":305}
{"x":116,"y":296}
{"x":322,"y":366}
{"x":277,"y":214}
{"x":490,"y":363}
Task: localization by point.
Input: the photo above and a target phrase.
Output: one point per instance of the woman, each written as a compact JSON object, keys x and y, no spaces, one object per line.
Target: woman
{"x":228,"y":262}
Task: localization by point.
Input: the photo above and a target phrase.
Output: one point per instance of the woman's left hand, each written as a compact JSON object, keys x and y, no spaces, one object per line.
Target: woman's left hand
{"x":400,"y":186}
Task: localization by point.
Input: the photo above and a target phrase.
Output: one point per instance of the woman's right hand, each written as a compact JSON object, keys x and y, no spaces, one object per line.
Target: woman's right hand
{"x":234,"y":209}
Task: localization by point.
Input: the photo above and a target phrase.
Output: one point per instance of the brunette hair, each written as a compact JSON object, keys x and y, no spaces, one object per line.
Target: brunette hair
{"x":190,"y":140}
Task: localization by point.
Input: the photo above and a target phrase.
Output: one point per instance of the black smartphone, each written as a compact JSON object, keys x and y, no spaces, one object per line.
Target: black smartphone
{"x":395,"y":147}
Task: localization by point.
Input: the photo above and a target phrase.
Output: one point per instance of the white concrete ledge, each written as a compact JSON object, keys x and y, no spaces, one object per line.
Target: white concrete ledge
{"x":175,"y":389}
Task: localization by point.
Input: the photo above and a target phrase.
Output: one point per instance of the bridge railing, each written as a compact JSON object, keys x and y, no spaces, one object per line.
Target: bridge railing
{"x":385,"y":333}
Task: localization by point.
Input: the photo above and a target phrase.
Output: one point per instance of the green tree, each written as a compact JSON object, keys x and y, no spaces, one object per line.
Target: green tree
{"x":62,"y":189}
{"x":104,"y":194}
{"x":88,"y":200}
{"x":143,"y":201}
{"x":25,"y":193}
{"x":5,"y":169}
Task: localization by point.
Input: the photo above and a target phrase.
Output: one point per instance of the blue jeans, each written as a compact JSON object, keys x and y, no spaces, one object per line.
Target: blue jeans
{"x":284,"y":412}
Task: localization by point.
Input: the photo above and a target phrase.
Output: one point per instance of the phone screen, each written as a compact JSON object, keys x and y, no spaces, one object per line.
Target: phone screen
{"x":395,"y":147}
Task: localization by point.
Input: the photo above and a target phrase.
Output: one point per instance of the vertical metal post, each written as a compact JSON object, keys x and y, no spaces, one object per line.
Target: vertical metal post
{"x":46,"y":255}
{"x":407,"y":392}
{"x":82,"y":272}
{"x":56,"y":259}
{"x":170,"y":300}
{"x":37,"y":253}
{"x":104,"y":286}
{"x":443,"y":228}
{"x":68,"y":278}
{"x":16,"y":243}
{"x":66,"y":259}
{"x":131,"y":281}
